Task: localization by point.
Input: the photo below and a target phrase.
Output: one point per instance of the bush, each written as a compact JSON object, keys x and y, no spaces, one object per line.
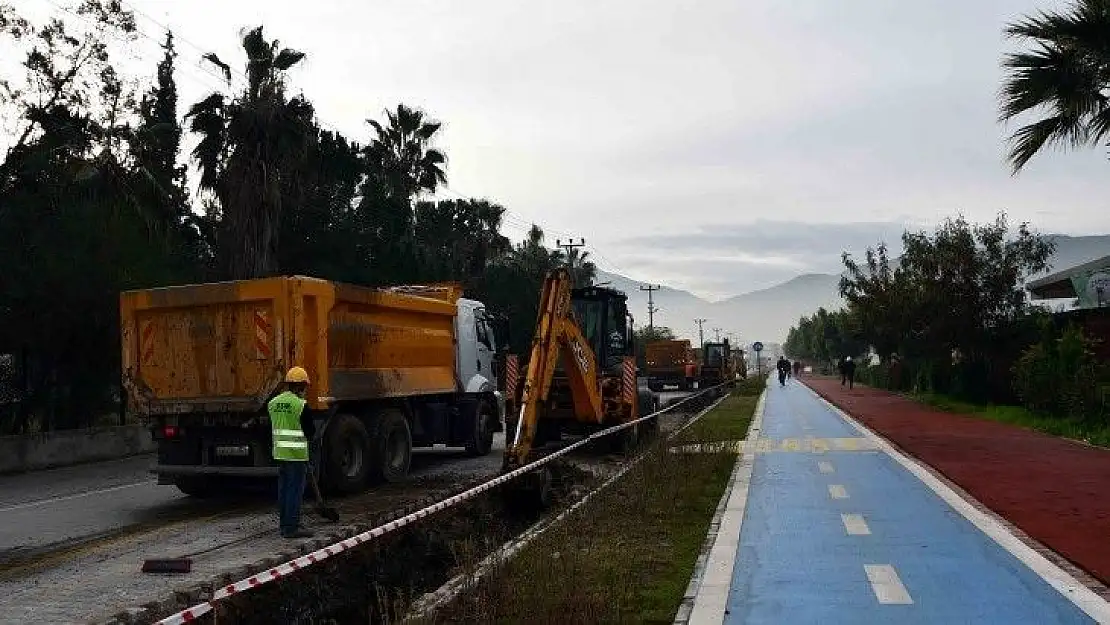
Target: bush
{"x":750,"y":386}
{"x":1060,"y":375}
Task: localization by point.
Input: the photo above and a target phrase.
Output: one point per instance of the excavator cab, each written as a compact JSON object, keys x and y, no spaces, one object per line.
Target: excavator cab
{"x":602,"y":316}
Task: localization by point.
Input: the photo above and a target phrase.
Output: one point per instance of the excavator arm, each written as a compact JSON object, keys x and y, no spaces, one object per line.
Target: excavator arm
{"x":557,"y":335}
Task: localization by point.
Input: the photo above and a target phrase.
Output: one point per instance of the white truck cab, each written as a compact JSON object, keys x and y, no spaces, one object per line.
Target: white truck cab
{"x":475,"y":351}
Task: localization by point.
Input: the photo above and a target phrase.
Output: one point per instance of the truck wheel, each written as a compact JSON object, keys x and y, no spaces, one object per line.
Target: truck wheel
{"x":195,"y":486}
{"x":391,"y":447}
{"x":346,"y":454}
{"x":482,"y":441}
{"x":625,"y":441}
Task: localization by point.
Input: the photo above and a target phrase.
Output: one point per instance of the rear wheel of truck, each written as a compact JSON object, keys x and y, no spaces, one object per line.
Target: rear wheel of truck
{"x":391,"y":448}
{"x":195,"y":486}
{"x":346,"y":454}
{"x":482,"y":442}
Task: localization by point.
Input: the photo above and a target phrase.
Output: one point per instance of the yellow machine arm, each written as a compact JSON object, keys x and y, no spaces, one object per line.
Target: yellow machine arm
{"x":557,"y":333}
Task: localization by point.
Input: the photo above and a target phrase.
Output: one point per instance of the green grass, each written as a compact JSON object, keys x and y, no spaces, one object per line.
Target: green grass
{"x":1086,"y":431}
{"x":628,"y":554}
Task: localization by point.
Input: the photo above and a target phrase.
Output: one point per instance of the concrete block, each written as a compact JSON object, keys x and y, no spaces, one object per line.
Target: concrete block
{"x":67,"y":447}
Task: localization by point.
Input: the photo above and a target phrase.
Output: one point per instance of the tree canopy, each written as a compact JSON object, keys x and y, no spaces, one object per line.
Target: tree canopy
{"x":94,"y":200}
{"x":953,"y":301}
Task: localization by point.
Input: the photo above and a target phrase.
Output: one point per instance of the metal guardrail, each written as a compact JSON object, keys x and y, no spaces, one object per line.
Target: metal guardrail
{"x":292,"y":566}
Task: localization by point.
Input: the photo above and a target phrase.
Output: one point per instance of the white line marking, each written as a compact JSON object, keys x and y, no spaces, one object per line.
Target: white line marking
{"x":825,"y":467}
{"x":43,"y":502}
{"x":1086,"y":599}
{"x":886,"y":585}
{"x":855,"y":525}
{"x":836,"y":491}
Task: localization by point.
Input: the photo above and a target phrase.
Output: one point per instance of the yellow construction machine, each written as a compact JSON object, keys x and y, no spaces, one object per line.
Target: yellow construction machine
{"x":581,"y":374}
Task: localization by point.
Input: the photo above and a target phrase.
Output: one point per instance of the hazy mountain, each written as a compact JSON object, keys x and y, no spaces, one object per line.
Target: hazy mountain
{"x":767,"y":314}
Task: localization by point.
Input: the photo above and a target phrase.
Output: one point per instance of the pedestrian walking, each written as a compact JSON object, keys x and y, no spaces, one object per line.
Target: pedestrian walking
{"x":783,"y":366}
{"x":292,"y":427}
{"x":847,"y":372}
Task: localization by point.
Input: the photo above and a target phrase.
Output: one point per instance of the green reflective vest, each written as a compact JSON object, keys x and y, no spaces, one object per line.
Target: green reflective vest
{"x":290,"y":442}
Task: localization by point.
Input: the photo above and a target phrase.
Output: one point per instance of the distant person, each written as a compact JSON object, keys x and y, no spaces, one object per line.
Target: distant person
{"x":783,"y":366}
{"x":797,"y":367}
{"x":847,"y":372}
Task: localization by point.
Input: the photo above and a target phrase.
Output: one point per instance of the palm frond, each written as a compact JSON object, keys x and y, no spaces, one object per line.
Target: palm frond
{"x":215,"y":60}
{"x":287,"y":58}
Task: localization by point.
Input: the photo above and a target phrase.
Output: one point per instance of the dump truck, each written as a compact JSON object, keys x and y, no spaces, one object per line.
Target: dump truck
{"x":670,"y":363}
{"x":716,"y":364}
{"x":581,"y":376}
{"x":390,"y":369}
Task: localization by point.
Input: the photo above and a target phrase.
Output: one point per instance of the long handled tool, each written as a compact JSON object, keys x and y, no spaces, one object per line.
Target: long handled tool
{"x":322,"y":508}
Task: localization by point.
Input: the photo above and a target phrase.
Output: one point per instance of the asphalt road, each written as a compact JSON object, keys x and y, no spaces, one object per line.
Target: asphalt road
{"x":44,"y":510}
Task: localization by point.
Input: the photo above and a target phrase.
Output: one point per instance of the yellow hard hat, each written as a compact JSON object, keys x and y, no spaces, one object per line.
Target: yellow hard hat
{"x":297,"y":375}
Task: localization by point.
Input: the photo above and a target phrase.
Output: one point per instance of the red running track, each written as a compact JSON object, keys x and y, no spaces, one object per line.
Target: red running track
{"x":1055,"y":490}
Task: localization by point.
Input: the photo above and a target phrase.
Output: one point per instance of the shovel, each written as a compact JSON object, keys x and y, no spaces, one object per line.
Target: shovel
{"x":322,"y":508}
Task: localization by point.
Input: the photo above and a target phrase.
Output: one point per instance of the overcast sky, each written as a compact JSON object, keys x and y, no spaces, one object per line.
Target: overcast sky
{"x":716,"y":145}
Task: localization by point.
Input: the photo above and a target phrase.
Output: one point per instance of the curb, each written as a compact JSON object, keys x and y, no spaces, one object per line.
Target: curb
{"x":714,"y":572}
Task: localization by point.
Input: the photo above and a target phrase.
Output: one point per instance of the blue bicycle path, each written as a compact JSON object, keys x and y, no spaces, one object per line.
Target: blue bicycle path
{"x":798,"y":563}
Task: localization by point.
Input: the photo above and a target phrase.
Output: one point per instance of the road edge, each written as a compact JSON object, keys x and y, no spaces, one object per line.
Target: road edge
{"x":711,"y":595}
{"x":985,"y":520}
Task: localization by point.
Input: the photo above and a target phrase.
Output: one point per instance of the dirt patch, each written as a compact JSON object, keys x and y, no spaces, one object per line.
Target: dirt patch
{"x":1054,"y":490}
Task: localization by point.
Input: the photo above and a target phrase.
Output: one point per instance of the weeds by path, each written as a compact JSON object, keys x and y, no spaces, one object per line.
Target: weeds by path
{"x":1093,"y":433}
{"x":628,"y":554}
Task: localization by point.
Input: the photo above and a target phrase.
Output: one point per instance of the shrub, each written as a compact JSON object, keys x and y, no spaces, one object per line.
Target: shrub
{"x":1060,"y":375}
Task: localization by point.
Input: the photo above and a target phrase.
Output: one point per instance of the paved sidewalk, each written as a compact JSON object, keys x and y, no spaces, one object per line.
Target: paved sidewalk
{"x":835,"y":526}
{"x":1053,"y":489}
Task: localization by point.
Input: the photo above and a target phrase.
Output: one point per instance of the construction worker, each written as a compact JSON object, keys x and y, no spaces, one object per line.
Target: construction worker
{"x":292,"y":428}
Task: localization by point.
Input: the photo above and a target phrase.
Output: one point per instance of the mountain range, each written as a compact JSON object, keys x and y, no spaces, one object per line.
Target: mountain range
{"x":767,"y":314}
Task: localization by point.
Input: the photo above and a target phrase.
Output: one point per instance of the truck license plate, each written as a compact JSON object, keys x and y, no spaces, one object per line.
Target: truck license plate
{"x":233,"y":450}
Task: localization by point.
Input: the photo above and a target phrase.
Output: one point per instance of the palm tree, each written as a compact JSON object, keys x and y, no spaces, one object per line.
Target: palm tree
{"x":1065,"y":75}
{"x":583,"y":271}
{"x":402,"y":163}
{"x":251,"y":147}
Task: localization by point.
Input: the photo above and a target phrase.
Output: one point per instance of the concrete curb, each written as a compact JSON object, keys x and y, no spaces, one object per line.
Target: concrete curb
{"x":62,"y":448}
{"x":713,"y":582}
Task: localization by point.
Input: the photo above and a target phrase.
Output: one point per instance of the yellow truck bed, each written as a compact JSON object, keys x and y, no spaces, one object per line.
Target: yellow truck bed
{"x":223,"y":347}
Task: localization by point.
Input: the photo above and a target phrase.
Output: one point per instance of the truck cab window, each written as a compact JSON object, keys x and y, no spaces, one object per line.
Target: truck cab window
{"x":482,"y":329}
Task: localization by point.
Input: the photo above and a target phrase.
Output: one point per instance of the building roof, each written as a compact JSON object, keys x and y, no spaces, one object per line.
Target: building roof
{"x":1058,"y":285}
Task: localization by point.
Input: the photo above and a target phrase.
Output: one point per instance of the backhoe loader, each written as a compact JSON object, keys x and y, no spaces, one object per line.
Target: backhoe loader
{"x":581,"y":374}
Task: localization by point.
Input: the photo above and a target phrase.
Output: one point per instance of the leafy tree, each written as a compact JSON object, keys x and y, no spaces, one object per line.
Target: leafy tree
{"x":252,"y":146}
{"x":1066,"y":74}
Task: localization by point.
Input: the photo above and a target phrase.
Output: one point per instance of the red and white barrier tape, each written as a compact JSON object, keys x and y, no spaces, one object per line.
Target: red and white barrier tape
{"x":292,"y":566}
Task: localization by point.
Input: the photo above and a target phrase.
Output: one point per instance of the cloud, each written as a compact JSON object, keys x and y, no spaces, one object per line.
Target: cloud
{"x":713,"y":144}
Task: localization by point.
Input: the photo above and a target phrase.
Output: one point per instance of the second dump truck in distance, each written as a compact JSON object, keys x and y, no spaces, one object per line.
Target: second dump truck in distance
{"x":390,"y":369}
{"x":670,"y":363}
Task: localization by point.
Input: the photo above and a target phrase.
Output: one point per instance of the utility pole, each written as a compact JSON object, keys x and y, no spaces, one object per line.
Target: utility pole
{"x":701,"y":332}
{"x":570,"y":246}
{"x":651,"y":288}
{"x":717,"y":331}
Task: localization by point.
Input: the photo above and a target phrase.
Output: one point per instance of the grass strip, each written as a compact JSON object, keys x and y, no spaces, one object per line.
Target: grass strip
{"x":1093,"y":433}
{"x":628,"y":554}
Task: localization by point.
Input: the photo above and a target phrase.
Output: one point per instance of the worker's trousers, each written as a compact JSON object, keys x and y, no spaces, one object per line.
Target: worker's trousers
{"x":291,"y":481}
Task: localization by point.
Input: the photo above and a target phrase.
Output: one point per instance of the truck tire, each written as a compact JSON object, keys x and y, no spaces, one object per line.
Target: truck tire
{"x":482,"y":441}
{"x":346,"y":454}
{"x":391,"y":447}
{"x":195,"y":486}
